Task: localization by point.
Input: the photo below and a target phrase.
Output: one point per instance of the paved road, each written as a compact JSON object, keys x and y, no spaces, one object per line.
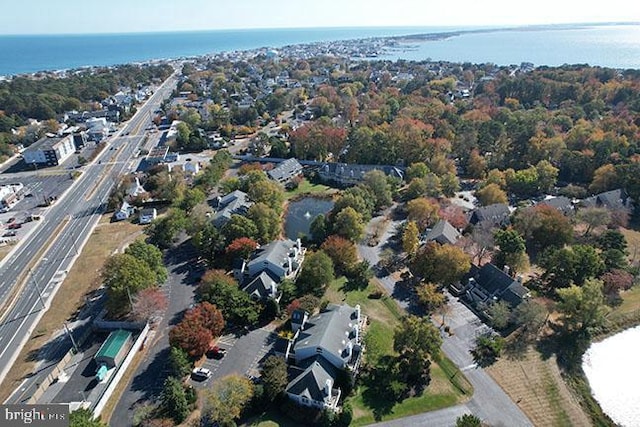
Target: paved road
{"x":147,"y":381}
{"x":53,"y":246}
{"x":489,"y":401}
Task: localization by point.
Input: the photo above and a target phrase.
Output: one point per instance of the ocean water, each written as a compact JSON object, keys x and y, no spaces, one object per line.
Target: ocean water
{"x":28,"y":54}
{"x":611,"y":366}
{"x":616,"y":46}
{"x":605,"y":45}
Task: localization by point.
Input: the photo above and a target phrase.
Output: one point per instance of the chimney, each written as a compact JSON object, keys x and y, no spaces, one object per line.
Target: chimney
{"x":299,"y":244}
{"x":274,"y":289}
{"x":349,"y":348}
{"x":506,"y":270}
{"x":327,"y":387}
{"x":358,"y":312}
{"x":290,"y":262}
{"x":356,"y":332}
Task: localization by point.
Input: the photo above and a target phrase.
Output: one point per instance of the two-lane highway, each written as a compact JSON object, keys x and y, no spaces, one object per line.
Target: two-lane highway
{"x":52,"y":248}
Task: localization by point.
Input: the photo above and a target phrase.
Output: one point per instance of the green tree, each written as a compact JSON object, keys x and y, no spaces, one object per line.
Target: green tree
{"x":192,"y":197}
{"x":83,"y":417}
{"x":274,"y":377}
{"x":208,"y":242}
{"x":512,"y":250}
{"x":266,"y":220}
{"x":450,"y":184}
{"x":500,"y":314}
{"x":593,"y":218}
{"x":417,"y":170}
{"x":416,"y":188}
{"x":238,"y":227}
{"x":227,"y":399}
{"x":530,"y":316}
{"x":269,"y":193}
{"x":349,"y":224}
{"x":582,"y":307}
{"x":423,"y":211}
{"x":163,"y":231}
{"x":151,"y":255}
{"x":223,"y":291}
{"x":418,"y":342}
{"x":319,"y":228}
{"x":547,"y":176}
{"x":316,"y":273}
{"x":124,"y":275}
{"x":359,"y":275}
{"x":488,"y":349}
{"x":173,"y":400}
{"x":376,"y":182}
{"x":179,"y":364}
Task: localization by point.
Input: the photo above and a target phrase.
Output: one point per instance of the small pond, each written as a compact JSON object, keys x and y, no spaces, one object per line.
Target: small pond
{"x":302,"y":212}
{"x":613,"y":371}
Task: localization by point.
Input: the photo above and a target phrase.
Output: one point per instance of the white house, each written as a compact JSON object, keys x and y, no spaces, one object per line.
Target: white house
{"x":281,"y":258}
{"x":147,"y":215}
{"x":125,"y":211}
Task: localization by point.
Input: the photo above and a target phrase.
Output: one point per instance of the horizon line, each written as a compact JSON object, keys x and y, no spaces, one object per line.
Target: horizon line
{"x":382,"y":27}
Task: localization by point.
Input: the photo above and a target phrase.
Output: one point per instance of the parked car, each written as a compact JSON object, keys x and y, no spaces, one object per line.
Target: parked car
{"x":10,"y":220}
{"x":14,"y":226}
{"x":216,"y":352}
{"x":9,"y":234}
{"x":200,"y":374}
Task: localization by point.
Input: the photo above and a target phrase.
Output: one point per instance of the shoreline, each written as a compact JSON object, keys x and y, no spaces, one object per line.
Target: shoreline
{"x":379,"y":46}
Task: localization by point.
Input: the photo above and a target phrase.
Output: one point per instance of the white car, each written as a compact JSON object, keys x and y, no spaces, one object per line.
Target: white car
{"x":201,"y":374}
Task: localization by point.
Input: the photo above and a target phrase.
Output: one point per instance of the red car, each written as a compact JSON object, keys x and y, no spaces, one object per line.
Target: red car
{"x":14,"y":226}
{"x":216,"y":352}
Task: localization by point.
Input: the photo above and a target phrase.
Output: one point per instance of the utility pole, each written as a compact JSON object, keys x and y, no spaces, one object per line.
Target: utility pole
{"x":73,"y":341}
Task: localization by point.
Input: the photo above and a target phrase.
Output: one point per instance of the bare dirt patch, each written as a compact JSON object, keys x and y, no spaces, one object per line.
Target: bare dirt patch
{"x":82,"y":279}
{"x":537,"y":386}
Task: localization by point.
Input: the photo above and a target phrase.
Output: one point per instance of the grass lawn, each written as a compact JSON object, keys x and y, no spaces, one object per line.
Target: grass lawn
{"x":306,"y":187}
{"x":384,"y":315}
{"x":83,"y":277}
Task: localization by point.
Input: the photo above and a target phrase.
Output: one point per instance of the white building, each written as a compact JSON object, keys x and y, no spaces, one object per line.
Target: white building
{"x":10,"y":195}
{"x":49,"y":151}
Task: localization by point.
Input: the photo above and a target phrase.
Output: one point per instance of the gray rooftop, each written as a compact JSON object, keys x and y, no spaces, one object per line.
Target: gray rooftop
{"x":275,"y":253}
{"x":46,"y":143}
{"x":311,"y":378}
{"x":330,"y":330}
{"x":285,"y":170}
{"x":261,"y":286}
{"x":443,"y":232}
{"x":235,"y":203}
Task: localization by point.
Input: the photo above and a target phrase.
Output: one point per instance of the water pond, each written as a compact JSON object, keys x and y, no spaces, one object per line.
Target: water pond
{"x":613,"y":371}
{"x":302,"y":212}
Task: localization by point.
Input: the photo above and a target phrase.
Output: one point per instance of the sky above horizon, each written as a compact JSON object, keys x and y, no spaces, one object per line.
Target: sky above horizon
{"x":117,"y":16}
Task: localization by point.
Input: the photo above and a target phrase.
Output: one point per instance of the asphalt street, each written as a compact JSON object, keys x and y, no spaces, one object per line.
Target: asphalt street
{"x":51,"y":249}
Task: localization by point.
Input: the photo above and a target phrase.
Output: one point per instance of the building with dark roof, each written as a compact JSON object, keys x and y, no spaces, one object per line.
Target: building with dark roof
{"x":496,"y":214}
{"x":562,"y":204}
{"x":285,"y":171}
{"x":612,"y":200}
{"x":49,"y":151}
{"x":234,"y":203}
{"x":263,"y":287}
{"x":312,"y":384}
{"x":443,"y":233}
{"x":352,"y":174}
{"x":492,"y":284}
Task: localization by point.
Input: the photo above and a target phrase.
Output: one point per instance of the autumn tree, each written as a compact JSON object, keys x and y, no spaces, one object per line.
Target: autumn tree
{"x":455,"y":215}
{"x":316,"y":273}
{"x":241,"y":247}
{"x":430,"y":297}
{"x":208,"y":316}
{"x":223,"y":291}
{"x":444,"y":264}
{"x":268,"y":192}
{"x":491,"y":194}
{"x":148,"y":303}
{"x":544,"y":226}
{"x":410,"y":238}
{"x":342,"y":252}
{"x":196,"y":330}
{"x":615,"y":281}
{"x":227,"y":399}
{"x":423,"y":211}
{"x":605,"y":178}
{"x":476,"y":165}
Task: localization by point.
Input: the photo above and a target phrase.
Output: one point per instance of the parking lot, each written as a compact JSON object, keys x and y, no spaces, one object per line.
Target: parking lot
{"x":243,"y":357}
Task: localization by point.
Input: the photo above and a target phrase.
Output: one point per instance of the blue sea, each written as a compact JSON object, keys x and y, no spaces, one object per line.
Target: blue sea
{"x":605,"y":45}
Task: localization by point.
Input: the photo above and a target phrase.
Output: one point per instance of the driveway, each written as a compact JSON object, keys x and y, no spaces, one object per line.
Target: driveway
{"x":244,"y":355}
{"x":489,"y":401}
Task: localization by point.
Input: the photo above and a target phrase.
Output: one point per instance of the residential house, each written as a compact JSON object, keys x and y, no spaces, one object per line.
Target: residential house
{"x":285,"y":171}
{"x":234,"y":203}
{"x":125,"y":211}
{"x":352,"y":174}
{"x":282,"y":259}
{"x":324,"y":345}
{"x":491,"y":284}
{"x":191,"y":168}
{"x":443,"y":233}
{"x":612,"y":200}
{"x":147,"y":215}
{"x":496,"y":214}
{"x":562,"y":204}
{"x":97,"y":128}
{"x":263,"y":287}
